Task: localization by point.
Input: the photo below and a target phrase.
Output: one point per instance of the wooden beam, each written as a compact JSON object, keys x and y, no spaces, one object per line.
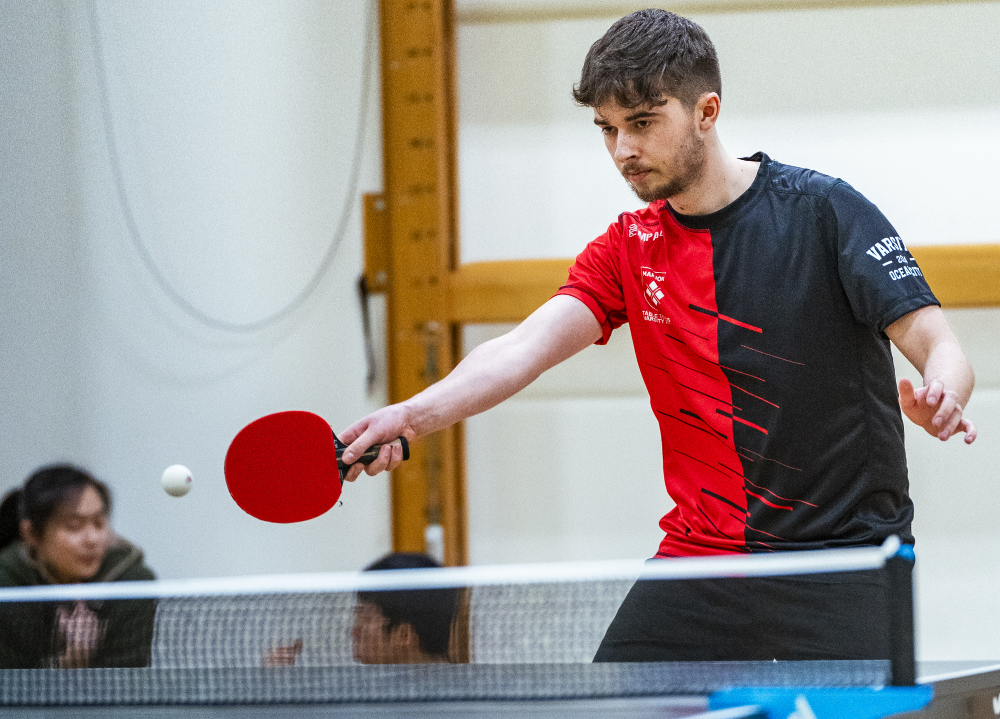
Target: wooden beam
{"x":510,"y":290}
{"x":419,"y":150}
{"x":504,"y":291}
{"x":492,"y":12}
{"x":376,"y":236}
{"x":962,"y":275}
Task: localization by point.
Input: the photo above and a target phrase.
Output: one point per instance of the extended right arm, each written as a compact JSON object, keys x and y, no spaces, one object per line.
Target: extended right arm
{"x":490,"y":374}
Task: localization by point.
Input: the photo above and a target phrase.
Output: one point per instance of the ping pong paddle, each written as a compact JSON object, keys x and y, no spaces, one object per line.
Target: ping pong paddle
{"x":287,"y":467}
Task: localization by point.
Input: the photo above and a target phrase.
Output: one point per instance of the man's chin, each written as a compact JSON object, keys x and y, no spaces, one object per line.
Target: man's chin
{"x":647,"y":194}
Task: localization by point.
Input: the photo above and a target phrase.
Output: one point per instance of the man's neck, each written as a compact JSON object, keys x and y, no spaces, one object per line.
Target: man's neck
{"x":725,"y":178}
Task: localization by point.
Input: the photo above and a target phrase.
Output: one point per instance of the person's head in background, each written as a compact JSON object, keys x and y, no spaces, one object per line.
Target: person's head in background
{"x":404,"y":626}
{"x":61,"y":516}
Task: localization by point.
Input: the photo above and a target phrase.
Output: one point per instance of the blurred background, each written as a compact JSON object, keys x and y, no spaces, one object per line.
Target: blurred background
{"x":214,"y":153}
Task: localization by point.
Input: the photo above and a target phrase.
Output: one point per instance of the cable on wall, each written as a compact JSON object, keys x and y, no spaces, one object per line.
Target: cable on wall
{"x":133,"y":227}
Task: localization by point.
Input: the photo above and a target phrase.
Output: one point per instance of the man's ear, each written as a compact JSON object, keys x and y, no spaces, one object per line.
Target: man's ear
{"x":27,"y":532}
{"x":408,"y":635}
{"x":707,"y":110}
{"x":404,"y":637}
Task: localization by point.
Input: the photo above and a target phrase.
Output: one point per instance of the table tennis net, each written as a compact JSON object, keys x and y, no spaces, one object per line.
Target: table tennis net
{"x":527,"y":631}
{"x":553,"y":623}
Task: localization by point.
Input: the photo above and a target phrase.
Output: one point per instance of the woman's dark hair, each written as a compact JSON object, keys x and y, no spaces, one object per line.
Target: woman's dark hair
{"x":429,"y":611}
{"x":43,"y":493}
{"x":646,"y":58}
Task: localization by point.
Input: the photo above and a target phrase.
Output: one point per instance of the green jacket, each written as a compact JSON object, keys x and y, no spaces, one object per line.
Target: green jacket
{"x":29,"y":632}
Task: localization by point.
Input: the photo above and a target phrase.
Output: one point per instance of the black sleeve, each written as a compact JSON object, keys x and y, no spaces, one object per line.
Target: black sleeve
{"x":878,"y":273}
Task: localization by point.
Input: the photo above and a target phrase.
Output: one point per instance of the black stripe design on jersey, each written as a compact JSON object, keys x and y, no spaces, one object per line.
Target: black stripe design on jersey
{"x":701,"y":461}
{"x":692,"y":426}
{"x":676,"y":362}
{"x":714,"y":525}
{"x":698,"y":417}
{"x":710,"y":493}
{"x":681,"y":384}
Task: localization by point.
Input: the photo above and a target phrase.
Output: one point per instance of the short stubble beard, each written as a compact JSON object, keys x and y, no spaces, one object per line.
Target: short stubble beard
{"x":690,"y":167}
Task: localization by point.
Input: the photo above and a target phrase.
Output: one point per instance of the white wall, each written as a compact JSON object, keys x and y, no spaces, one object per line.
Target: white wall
{"x":236,"y":125}
{"x":40,"y":276}
{"x":903,"y":102}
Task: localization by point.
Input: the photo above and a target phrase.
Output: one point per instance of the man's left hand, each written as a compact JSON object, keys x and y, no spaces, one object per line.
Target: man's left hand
{"x":936,"y":409}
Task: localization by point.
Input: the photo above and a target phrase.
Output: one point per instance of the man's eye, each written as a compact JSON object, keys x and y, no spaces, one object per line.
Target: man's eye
{"x":642,"y":124}
{"x":607,"y":130}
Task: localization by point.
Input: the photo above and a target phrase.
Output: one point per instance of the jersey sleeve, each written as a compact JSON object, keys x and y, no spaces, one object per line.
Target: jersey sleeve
{"x":878,"y":273}
{"x":595,"y":280}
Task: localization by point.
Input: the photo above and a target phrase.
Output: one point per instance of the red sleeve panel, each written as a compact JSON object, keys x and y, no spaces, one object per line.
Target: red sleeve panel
{"x":595,"y":280}
{"x":657,"y":275}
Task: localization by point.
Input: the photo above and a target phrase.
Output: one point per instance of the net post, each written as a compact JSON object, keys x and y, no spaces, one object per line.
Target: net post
{"x":899,"y":571}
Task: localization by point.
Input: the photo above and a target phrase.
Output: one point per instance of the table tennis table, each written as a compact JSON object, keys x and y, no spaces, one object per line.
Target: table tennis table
{"x":675,"y":690}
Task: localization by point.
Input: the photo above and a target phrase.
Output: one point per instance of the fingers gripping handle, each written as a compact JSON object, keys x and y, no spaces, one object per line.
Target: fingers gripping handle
{"x":369,"y":456}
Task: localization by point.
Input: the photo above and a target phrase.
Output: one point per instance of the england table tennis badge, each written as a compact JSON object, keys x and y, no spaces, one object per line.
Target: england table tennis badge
{"x":653,"y":287}
{"x":653,"y":291}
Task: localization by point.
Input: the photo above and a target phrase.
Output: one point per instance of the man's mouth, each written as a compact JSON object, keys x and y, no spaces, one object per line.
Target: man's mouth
{"x":634,"y":174}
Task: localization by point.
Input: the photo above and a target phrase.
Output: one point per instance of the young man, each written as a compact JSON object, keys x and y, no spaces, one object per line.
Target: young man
{"x":761,"y":299}
{"x":400,"y":626}
{"x":404,"y":626}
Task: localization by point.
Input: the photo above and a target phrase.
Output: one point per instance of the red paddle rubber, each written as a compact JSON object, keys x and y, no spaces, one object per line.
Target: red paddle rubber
{"x":286,"y":467}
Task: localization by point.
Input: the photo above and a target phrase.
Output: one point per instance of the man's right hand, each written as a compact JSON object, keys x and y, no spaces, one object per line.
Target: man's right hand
{"x":381,"y":427}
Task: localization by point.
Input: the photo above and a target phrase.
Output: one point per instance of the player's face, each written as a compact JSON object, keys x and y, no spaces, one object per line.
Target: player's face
{"x":657,"y":148}
{"x":371,"y":642}
{"x":74,"y":542}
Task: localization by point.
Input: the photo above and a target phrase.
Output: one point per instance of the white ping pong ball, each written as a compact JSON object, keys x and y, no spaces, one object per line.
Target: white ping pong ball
{"x":176,"y":480}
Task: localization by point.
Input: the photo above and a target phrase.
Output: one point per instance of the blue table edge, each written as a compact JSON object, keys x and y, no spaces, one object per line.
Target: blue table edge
{"x":825,"y":703}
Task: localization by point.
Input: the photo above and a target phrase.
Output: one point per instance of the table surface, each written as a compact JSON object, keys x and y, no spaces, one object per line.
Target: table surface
{"x":962,"y":689}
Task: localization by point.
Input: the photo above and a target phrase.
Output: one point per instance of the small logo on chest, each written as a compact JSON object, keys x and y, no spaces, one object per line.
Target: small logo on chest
{"x":653,"y":291}
{"x":645,"y":235}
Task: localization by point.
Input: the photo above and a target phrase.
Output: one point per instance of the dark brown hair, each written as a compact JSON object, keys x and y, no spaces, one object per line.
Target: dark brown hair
{"x":646,"y":58}
{"x":429,"y":611}
{"x":44,"y":492}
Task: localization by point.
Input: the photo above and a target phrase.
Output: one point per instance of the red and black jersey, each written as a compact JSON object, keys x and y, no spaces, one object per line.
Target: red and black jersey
{"x":759,"y":331}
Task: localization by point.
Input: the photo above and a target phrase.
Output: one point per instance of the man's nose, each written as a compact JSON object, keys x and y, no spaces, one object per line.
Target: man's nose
{"x":624,"y":148}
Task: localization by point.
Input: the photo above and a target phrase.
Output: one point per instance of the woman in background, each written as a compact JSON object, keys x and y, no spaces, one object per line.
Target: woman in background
{"x":55,"y":530}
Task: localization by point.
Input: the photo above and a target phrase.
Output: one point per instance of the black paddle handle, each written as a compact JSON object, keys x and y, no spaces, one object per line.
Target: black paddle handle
{"x":369,"y":455}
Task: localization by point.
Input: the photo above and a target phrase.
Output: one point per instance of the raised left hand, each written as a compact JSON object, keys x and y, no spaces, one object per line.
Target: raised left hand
{"x":936,"y":409}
